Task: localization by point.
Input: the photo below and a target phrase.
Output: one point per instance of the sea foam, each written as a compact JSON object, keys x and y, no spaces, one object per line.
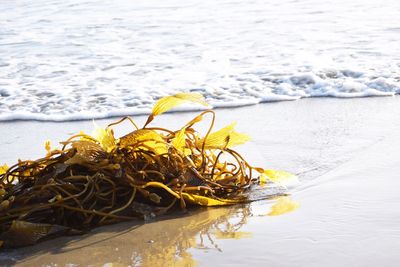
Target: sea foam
{"x":95,"y":59}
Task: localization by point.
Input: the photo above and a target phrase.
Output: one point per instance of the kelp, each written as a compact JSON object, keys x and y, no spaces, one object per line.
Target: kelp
{"x":99,"y":179}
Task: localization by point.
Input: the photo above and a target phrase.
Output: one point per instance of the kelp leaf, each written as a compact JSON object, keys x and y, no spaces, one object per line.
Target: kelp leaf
{"x":192,"y":97}
{"x":105,"y":137}
{"x":206,"y":201}
{"x":179,"y":142}
{"x":236,"y":138}
{"x":87,"y":151}
{"x":219,"y":138}
{"x":139,"y":136}
{"x":279,"y":177}
{"x":149,"y":138}
{"x":86,"y":137}
{"x":167,"y":103}
{"x":225,"y":137}
{"x":3,"y":169}
{"x":282,"y":206}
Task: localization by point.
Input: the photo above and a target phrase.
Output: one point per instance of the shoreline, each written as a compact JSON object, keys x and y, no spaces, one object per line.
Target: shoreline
{"x":346,"y":157}
{"x":185,"y":108}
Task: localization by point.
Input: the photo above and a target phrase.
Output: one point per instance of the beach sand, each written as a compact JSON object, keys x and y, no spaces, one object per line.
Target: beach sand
{"x":345,"y":151}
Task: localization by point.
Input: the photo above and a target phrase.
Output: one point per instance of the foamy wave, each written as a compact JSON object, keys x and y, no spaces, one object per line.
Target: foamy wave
{"x":292,"y":88}
{"x":124,"y":55}
{"x":58,"y":106}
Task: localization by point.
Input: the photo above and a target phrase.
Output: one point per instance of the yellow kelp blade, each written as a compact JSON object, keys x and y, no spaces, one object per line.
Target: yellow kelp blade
{"x":86,"y":151}
{"x":3,"y":169}
{"x":139,"y":136}
{"x":279,"y":177}
{"x":149,"y":138}
{"x":219,"y":138}
{"x":225,"y":137}
{"x":282,"y":206}
{"x":206,"y":201}
{"x":105,"y":137}
{"x":86,"y":137}
{"x":167,"y":103}
{"x":179,"y":142}
{"x":238,"y":138}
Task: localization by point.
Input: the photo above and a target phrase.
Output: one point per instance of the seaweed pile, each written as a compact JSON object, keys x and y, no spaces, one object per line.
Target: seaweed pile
{"x":99,"y":179}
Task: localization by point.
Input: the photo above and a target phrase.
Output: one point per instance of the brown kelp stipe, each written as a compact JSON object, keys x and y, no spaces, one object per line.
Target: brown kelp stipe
{"x":97,"y":180}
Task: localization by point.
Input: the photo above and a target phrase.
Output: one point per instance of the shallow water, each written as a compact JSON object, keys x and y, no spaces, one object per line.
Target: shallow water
{"x":62,"y":60}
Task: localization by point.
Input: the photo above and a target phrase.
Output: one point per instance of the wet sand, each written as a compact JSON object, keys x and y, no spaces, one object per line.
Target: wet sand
{"x":346,"y":153}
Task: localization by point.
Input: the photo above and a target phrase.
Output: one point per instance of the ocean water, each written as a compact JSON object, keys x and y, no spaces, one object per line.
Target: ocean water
{"x":66,"y":60}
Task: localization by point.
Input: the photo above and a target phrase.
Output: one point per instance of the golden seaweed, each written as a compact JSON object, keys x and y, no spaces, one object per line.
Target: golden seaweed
{"x":100,"y":179}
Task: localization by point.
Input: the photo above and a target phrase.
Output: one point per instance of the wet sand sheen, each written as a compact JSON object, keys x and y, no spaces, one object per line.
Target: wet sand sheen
{"x":162,"y":243}
{"x":345,"y":152}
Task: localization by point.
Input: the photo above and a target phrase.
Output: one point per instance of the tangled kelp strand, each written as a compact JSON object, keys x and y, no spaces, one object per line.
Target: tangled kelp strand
{"x":99,"y":179}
